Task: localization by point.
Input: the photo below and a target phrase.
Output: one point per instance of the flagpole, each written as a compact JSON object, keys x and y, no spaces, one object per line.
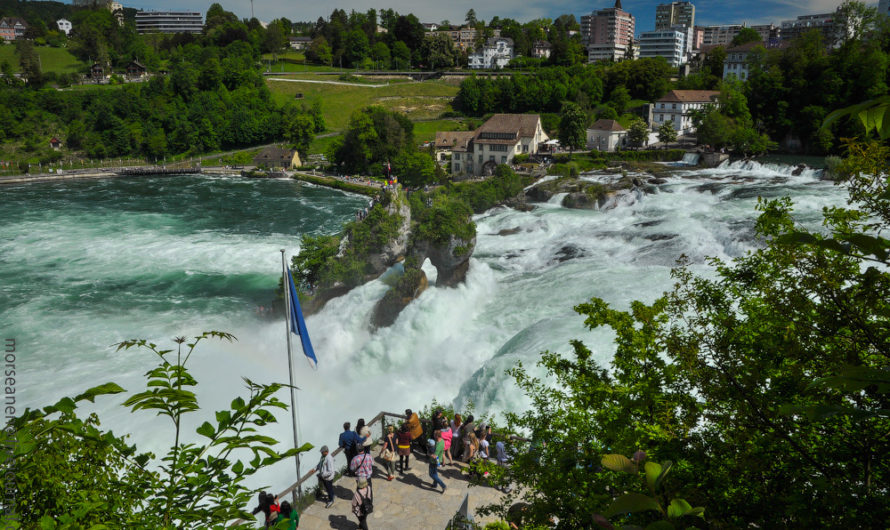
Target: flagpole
{"x":290,"y":370}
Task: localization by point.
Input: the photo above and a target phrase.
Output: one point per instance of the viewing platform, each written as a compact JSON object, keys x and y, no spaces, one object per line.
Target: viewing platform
{"x":408,"y":501}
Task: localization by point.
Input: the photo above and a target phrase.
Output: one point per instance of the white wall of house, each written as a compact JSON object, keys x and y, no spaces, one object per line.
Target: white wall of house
{"x":605,"y":140}
{"x":678,"y":113}
{"x":497,"y":53}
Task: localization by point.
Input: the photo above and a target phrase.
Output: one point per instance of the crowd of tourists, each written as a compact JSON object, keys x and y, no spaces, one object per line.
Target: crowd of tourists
{"x":441,"y":440}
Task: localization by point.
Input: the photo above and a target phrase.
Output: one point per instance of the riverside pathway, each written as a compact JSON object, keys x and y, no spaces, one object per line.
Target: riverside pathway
{"x":409,"y":501}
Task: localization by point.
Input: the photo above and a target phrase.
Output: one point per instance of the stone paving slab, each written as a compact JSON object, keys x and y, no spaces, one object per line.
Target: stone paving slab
{"x":409,"y":501}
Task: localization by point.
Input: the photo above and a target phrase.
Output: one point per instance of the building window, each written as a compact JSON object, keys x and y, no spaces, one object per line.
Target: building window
{"x":662,"y":105}
{"x":503,"y":160}
{"x":457,"y":156}
{"x":457,"y":168}
{"x":480,"y":159}
{"x":491,"y":158}
{"x":525,"y":149}
{"x":674,"y":106}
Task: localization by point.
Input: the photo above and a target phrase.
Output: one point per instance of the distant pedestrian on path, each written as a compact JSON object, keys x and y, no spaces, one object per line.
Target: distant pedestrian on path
{"x":388,"y":452}
{"x":326,"y":472}
{"x":362,"y":503}
{"x":404,"y":440}
{"x":349,"y":441}
{"x":436,"y":460}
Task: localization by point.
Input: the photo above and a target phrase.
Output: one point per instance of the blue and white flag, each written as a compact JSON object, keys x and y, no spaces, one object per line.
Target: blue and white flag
{"x":297,"y":324}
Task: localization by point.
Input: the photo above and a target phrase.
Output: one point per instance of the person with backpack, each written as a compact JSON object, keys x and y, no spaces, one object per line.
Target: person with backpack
{"x":362,"y":464}
{"x":438,"y":450}
{"x":349,"y":441}
{"x":362,"y":502}
{"x":290,"y":515}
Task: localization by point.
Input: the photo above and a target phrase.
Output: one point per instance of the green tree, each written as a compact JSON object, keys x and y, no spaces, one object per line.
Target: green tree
{"x":319,"y":51}
{"x":380,"y":54}
{"x":104,"y":479}
{"x":401,"y":56}
{"x":471,"y":18}
{"x":357,"y":48}
{"x":299,"y":130}
{"x":666,"y":133}
{"x":415,"y":168}
{"x":638,"y":133}
{"x":746,"y":35}
{"x":572,"y":127}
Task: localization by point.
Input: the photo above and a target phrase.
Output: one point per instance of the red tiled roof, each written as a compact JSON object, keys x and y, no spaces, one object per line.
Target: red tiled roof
{"x":689,"y":96}
{"x":450,"y":139}
{"x":607,"y":125}
{"x":520,"y":125}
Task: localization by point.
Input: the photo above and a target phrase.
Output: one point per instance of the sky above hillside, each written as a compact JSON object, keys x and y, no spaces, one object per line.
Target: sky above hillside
{"x":707,"y":11}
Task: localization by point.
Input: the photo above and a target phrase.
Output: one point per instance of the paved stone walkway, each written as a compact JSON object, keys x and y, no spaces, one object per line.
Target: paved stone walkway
{"x":409,"y":501}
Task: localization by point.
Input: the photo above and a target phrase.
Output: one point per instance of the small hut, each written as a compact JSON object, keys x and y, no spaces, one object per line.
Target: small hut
{"x":97,"y":71}
{"x":55,"y":143}
{"x":135,"y":70}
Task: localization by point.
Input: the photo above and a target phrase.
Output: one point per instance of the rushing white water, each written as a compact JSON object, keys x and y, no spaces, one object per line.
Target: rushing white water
{"x":82,"y":270}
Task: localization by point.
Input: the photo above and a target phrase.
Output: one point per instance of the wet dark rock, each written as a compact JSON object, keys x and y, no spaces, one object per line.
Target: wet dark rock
{"x":509,"y":231}
{"x":568,"y":252}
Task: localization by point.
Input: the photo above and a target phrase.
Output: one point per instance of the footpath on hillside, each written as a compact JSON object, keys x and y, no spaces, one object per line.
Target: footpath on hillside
{"x":408,"y":501}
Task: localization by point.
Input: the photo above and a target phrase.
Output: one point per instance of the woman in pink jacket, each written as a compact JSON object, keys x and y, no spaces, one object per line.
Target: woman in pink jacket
{"x":447,"y":436}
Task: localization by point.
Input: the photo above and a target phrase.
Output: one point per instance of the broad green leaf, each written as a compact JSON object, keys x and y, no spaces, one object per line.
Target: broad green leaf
{"x":666,"y":466}
{"x":101,"y":390}
{"x":619,"y":463}
{"x":633,"y":502}
{"x":206,"y":429}
{"x":238,"y":467}
{"x":653,"y":470}
{"x":679,"y":508}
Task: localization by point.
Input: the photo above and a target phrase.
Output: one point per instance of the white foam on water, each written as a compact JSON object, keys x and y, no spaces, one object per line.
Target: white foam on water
{"x":450,"y":344}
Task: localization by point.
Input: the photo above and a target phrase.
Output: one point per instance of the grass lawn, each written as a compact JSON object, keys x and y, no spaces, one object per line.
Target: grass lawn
{"x":319,"y":146}
{"x":56,"y":60}
{"x":425,"y":131}
{"x":418,"y":101}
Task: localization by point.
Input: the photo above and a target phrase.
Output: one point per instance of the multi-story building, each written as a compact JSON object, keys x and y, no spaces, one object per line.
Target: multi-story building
{"x":169,"y":22}
{"x":64,"y":25}
{"x":674,"y":14}
{"x":677,"y":106}
{"x":736,"y":63}
{"x":462,"y":38}
{"x":12,"y":28}
{"x":720,"y":35}
{"x":791,"y":29}
{"x":496,"y":142}
{"x":608,"y":33}
{"x":541,"y":49}
{"x":884,"y":8}
{"x":674,"y":44}
{"x":496,"y":53}
{"x":698,"y":37}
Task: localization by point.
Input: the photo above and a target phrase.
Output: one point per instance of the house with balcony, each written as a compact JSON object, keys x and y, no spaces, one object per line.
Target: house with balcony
{"x":677,"y":107}
{"x":496,"y":142}
{"x":496,"y":54}
{"x":736,"y":63}
{"x":12,"y":28}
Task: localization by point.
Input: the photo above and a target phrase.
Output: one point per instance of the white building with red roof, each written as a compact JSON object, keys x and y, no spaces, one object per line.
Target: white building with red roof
{"x":677,"y":105}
